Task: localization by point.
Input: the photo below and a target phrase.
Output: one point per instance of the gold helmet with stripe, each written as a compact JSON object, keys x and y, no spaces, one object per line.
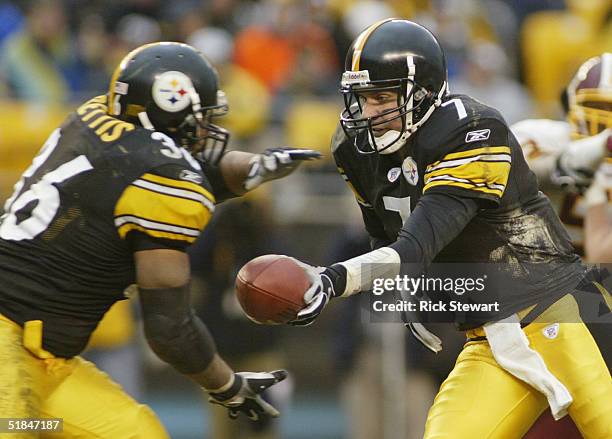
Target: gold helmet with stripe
{"x":172,"y":88}
{"x":589,"y":97}
{"x":398,"y":56}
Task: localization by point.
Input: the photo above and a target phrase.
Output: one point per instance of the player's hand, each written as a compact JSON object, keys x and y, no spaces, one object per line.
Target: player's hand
{"x":244,"y":395}
{"x":276,"y":163}
{"x":574,"y":180}
{"x":319,"y":294}
{"x":576,"y":166}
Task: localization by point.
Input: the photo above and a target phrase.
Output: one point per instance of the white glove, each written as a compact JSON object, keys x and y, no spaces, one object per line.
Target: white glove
{"x":276,"y":163}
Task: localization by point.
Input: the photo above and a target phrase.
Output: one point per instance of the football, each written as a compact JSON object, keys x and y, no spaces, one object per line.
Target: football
{"x":271,"y":289}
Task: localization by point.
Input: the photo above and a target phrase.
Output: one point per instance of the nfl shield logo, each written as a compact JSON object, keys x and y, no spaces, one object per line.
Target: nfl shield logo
{"x":393,"y":174}
{"x":551,"y":331}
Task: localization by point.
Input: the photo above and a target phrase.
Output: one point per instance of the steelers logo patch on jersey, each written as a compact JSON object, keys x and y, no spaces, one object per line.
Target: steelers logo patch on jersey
{"x":409,"y":169}
{"x":171,"y":91}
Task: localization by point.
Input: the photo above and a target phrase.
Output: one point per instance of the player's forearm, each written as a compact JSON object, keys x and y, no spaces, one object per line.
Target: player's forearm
{"x":234,"y":167}
{"x":215,"y":376}
{"x":598,"y":234}
{"x":436,"y":221}
{"x":180,"y":338}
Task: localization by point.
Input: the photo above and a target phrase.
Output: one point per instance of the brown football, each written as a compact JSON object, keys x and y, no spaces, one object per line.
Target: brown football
{"x":271,"y":289}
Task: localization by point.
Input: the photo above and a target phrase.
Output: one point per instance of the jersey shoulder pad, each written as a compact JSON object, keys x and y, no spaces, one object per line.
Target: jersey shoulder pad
{"x":145,"y":150}
{"x":339,"y":139}
{"x":345,"y":155}
{"x":471,"y":155}
{"x":461,"y":124}
{"x":168,"y":204}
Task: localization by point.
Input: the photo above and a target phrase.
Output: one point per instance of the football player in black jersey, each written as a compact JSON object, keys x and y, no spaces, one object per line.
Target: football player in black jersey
{"x":440,"y":178}
{"x":114,"y":198}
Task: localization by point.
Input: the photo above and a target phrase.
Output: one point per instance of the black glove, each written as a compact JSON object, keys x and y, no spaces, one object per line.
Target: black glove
{"x":276,"y":163}
{"x":244,"y":394}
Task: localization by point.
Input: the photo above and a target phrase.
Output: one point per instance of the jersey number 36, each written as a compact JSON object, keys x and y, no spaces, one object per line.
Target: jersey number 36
{"x":44,"y":192}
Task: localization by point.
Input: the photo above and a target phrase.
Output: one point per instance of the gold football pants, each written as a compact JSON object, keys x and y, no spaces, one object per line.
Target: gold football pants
{"x":34,"y":384}
{"x":481,"y":400}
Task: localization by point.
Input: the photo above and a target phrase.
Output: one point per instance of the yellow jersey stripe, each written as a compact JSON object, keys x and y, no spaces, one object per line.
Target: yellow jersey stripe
{"x":128,"y":227}
{"x":155,"y":225}
{"x":485,"y":158}
{"x":465,"y":181}
{"x":477,"y":172}
{"x":179,"y":184}
{"x":174,"y":192}
{"x":472,"y":153}
{"x":486,"y":190}
{"x":162,"y":212}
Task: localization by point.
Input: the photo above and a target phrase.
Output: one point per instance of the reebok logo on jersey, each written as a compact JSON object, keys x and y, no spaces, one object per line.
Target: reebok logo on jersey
{"x":187,"y":175}
{"x":474,"y":136}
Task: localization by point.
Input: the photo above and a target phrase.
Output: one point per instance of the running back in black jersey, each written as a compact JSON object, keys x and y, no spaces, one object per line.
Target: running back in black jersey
{"x":99,"y":189}
{"x":467,"y":150}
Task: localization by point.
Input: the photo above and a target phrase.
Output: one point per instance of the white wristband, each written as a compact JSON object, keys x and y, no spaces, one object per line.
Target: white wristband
{"x":225,"y":387}
{"x":362,"y":270}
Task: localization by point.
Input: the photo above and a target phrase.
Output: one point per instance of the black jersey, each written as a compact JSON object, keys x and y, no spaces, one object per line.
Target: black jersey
{"x":466,"y":149}
{"x":99,"y":189}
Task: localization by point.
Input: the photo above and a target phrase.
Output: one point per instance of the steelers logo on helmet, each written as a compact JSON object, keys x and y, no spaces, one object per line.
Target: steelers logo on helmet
{"x":172,"y":91}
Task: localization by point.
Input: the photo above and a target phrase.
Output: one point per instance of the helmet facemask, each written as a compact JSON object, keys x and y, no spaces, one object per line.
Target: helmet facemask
{"x":411,"y":99}
{"x":589,"y":96}
{"x":591,"y":112}
{"x":196,"y":133}
{"x":203,"y":139}
{"x":414,"y":106}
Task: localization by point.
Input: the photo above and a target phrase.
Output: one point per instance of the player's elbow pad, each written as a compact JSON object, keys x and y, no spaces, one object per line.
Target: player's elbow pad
{"x":172,"y":330}
{"x":185,"y":344}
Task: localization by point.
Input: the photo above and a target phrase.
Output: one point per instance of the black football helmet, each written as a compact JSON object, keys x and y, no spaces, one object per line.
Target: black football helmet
{"x":399,"y":56}
{"x":589,"y":96}
{"x":172,"y":88}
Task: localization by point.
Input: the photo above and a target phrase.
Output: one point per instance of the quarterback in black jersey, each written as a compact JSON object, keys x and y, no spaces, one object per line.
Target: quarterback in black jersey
{"x":114,"y":198}
{"x":440,"y":178}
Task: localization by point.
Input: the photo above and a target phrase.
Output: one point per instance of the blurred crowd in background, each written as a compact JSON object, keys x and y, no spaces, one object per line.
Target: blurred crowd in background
{"x":280,"y":63}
